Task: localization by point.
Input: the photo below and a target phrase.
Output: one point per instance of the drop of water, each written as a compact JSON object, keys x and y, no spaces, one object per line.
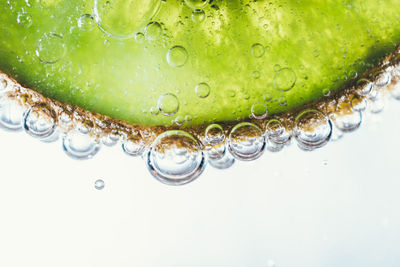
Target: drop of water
{"x":11,"y":115}
{"x":177,"y":56}
{"x":312,"y":129}
{"x":78,"y":145}
{"x":198,"y":16}
{"x":40,"y":121}
{"x":153,"y":30}
{"x":133,"y":146}
{"x":259,"y":111}
{"x":214,"y":135}
{"x":24,"y":19}
{"x":246,"y":141}
{"x":202,"y":90}
{"x":99,"y":184}
{"x":168,"y":104}
{"x":197,"y":4}
{"x":257,"y":50}
{"x":50,"y":48}
{"x":222,"y":163}
{"x":175,"y":158}
{"x":86,"y":22}
{"x":348,"y":122}
{"x":284,"y":79}
{"x":121,"y":19}
{"x":364,"y":86}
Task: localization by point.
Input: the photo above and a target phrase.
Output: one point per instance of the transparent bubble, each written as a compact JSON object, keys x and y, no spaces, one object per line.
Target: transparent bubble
{"x":11,"y":114}
{"x":99,"y":184}
{"x":154,"y":111}
{"x":177,"y":56}
{"x":215,"y":151}
{"x":222,"y":163}
{"x":50,"y":48}
{"x":139,"y":37}
{"x":348,"y":122}
{"x":179,"y":120}
{"x":133,"y":146}
{"x":78,"y":145}
{"x":383,"y":79}
{"x":122,"y":18}
{"x":259,"y":111}
{"x":86,"y":22}
{"x":202,"y":90}
{"x":153,"y":30}
{"x":312,"y":129}
{"x":214,"y":135}
{"x":246,"y":141}
{"x":168,"y":104}
{"x":24,"y":19}
{"x":256,"y":74}
{"x":198,"y":16}
{"x":110,"y":139}
{"x":40,"y":121}
{"x":358,"y":103}
{"x":175,"y":158}
{"x":197,"y":4}
{"x":257,"y":50}
{"x":364,"y":86}
{"x":284,"y":79}
{"x":376,"y":104}
{"x":267,"y":96}
{"x":276,"y":132}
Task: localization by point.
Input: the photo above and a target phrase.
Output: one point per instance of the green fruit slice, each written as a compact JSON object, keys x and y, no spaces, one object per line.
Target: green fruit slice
{"x":152,"y":62}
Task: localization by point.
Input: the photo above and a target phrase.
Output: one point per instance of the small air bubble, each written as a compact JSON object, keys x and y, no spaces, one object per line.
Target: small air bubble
{"x":99,"y":184}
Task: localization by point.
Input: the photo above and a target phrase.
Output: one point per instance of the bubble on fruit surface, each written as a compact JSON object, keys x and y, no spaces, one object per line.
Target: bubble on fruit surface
{"x":214,"y":135}
{"x":259,"y":111}
{"x":24,"y":19}
{"x":50,"y":48}
{"x":382,"y":79}
{"x":348,"y":122}
{"x":177,"y":56}
{"x":312,"y":129}
{"x":284,"y":79}
{"x":78,"y":145}
{"x":99,"y":184}
{"x":376,"y":104}
{"x":202,"y":90}
{"x":139,"y":37}
{"x":175,"y":158}
{"x":86,"y":22}
{"x":358,"y":103}
{"x":40,"y":121}
{"x":215,"y":152}
{"x":121,"y":19}
{"x":198,"y":15}
{"x":246,"y":141}
{"x":257,"y":50}
{"x":110,"y":139}
{"x":133,"y":146}
{"x":197,"y":4}
{"x":153,"y":30}
{"x":364,"y":86}
{"x":267,"y":96}
{"x":276,"y":132}
{"x":222,"y":163}
{"x":168,"y":104}
{"x":11,"y":114}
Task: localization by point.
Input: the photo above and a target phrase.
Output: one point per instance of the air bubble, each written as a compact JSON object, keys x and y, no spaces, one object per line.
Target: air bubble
{"x":246,"y":141}
{"x":259,"y":111}
{"x":348,"y":122}
{"x":168,"y":104}
{"x":198,"y":16}
{"x":312,"y":129}
{"x":284,"y":79}
{"x":110,"y":139}
{"x":177,"y":56}
{"x":175,"y":158}
{"x":214,"y":135}
{"x":133,"y":146}
{"x":276,"y":132}
{"x":202,"y":90}
{"x":121,"y":19}
{"x":11,"y":114}
{"x":139,"y":37}
{"x":358,"y":103}
{"x":99,"y":184}
{"x":364,"y":87}
{"x":222,"y":163}
{"x":86,"y":22}
{"x":50,"y":48}
{"x":153,"y":30}
{"x":197,"y":4}
{"x":40,"y":121}
{"x":24,"y":19}
{"x":383,"y":79}
{"x":257,"y":50}
{"x":78,"y":145}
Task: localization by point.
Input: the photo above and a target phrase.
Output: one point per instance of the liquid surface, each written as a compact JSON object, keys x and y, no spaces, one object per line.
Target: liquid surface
{"x":192,"y":62}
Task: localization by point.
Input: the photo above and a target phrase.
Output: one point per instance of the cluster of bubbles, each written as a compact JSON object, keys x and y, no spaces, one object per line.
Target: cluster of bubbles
{"x":177,"y":157}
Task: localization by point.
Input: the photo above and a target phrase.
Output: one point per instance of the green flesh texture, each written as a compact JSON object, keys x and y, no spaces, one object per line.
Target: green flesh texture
{"x":325,"y":43}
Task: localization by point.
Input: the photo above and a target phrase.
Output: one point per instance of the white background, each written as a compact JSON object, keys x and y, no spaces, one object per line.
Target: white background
{"x":338,"y":206}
